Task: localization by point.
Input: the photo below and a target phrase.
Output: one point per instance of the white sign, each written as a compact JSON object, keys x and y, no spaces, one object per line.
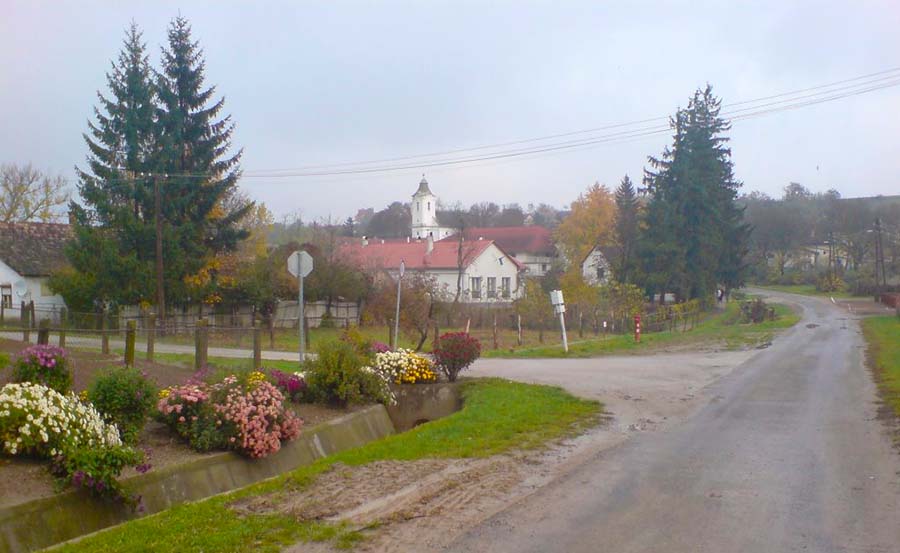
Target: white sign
{"x":556,"y":297}
{"x":402,"y":268}
{"x":300,"y":264}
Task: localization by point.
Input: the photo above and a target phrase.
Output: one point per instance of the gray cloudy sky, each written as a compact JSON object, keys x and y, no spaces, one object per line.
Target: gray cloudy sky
{"x":312,"y":83}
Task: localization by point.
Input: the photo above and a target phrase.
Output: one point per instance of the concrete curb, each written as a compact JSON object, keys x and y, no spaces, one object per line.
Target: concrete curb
{"x":48,"y":521}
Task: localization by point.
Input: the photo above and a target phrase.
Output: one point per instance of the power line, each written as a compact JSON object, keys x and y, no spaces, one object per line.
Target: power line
{"x":893,"y":71}
{"x":790,"y":100}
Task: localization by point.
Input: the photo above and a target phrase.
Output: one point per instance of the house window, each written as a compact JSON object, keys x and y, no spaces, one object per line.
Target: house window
{"x":475,"y":287}
{"x":601,"y":273}
{"x":429,"y":207}
{"x":505,"y":286}
{"x":6,"y":295}
{"x":418,"y":206}
{"x":543,"y":267}
{"x":492,"y":287}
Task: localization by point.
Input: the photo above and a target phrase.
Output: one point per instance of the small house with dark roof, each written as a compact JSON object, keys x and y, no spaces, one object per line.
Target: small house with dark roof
{"x":29,"y":253}
{"x":595,"y":267}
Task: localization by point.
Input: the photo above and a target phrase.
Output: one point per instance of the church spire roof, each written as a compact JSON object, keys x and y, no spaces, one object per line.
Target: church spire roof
{"x":423,"y":187}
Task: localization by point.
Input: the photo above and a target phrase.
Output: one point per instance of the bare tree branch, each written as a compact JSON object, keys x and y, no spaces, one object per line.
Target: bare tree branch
{"x":27,"y":194}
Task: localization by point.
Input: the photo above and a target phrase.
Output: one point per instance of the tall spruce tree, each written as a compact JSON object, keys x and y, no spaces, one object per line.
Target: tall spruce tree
{"x":112,"y":239}
{"x":201,"y":175}
{"x":695,"y":239}
{"x":626,"y":231}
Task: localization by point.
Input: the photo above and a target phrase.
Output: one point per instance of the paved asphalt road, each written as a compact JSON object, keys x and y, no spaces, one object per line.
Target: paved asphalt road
{"x":788,"y":456}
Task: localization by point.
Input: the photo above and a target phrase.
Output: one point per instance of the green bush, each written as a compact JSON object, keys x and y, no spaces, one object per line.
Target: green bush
{"x":45,"y":365}
{"x":125,"y":398}
{"x":338,"y":376}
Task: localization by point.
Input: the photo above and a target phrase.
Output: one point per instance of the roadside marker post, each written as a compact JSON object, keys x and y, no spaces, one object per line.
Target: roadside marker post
{"x":559,"y":305}
{"x":300,"y":264}
{"x":637,"y":328}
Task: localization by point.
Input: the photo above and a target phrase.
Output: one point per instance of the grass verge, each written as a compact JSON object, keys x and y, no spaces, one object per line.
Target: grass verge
{"x":723,"y":328}
{"x":497,"y":416}
{"x":883,"y":337}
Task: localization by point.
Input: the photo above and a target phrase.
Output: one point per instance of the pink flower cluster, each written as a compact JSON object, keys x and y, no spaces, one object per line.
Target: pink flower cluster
{"x":259,"y":418}
{"x":45,"y":356}
{"x":181,"y":398}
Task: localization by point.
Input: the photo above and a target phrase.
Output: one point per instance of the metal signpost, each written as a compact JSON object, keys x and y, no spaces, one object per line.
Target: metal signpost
{"x":559,"y":305}
{"x":300,"y":264}
{"x":397,"y":314}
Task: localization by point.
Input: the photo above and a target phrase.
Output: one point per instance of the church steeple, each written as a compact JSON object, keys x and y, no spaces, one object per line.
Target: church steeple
{"x":424,"y":211}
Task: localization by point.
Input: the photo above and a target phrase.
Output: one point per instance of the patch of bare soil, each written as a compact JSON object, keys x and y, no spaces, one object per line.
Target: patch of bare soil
{"x":408,"y":505}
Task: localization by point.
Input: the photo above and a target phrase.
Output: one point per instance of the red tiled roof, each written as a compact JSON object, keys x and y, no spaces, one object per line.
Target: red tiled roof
{"x":535,"y":240}
{"x":388,"y":254}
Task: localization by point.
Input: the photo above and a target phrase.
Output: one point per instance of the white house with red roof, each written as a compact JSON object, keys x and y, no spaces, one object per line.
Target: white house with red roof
{"x":488,"y":274}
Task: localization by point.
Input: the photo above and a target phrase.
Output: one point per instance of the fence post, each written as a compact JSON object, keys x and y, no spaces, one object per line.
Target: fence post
{"x":518,"y":329}
{"x":2,"y":312}
{"x":104,"y":335}
{"x":496,"y":345}
{"x":26,"y":325}
{"x":33,"y":317}
{"x":437,"y":335}
{"x":63,"y":321}
{"x":151,"y":336}
{"x":390,"y":332}
{"x":43,"y":337}
{"x":306,"y":332}
{"x":130,"y":331}
{"x":201,"y":342}
{"x":257,"y":345}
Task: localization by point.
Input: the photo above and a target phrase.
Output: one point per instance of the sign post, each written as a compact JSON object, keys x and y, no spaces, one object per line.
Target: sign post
{"x":559,"y":305}
{"x":300,"y":264}
{"x":397,"y":314}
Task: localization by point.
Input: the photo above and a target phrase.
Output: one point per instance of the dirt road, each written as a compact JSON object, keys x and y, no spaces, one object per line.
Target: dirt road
{"x":787,"y":455}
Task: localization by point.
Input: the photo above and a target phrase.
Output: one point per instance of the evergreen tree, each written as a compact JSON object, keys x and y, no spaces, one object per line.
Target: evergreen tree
{"x":626,"y":231}
{"x":695,"y":238}
{"x":200,"y":175}
{"x":112,"y":239}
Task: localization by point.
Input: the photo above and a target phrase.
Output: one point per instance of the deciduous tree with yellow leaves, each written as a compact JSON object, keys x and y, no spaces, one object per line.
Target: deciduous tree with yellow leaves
{"x":590,"y":223}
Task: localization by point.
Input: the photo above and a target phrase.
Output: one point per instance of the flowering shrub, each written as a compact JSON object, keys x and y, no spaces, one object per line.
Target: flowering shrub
{"x":380,"y":347}
{"x":457,"y":350}
{"x":255,"y":378}
{"x":41,"y":364}
{"x":404,"y":367}
{"x":339,"y":376}
{"x":39,"y":421}
{"x":247,"y":417}
{"x":125,"y":398}
{"x":292,"y":385}
{"x":256,"y":418}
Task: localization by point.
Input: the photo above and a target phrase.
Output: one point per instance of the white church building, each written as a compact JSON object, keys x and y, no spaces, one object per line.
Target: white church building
{"x":424,"y":215}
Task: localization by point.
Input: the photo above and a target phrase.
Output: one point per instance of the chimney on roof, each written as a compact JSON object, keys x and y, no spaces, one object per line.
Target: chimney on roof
{"x":481,"y":237}
{"x":382,"y":240}
{"x":429,"y":245}
{"x":365,"y":240}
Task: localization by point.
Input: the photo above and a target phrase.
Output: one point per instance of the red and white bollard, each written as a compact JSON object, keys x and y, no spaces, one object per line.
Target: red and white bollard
{"x":637,"y":328}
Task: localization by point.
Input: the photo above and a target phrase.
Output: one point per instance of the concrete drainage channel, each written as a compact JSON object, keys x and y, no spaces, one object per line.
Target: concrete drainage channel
{"x":44,"y":522}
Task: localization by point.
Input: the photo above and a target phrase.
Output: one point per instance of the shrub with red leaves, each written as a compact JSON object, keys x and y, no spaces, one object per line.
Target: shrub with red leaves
{"x":454,"y":352}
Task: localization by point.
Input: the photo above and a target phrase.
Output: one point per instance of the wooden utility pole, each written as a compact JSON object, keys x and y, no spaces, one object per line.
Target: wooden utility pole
{"x":157,"y":215}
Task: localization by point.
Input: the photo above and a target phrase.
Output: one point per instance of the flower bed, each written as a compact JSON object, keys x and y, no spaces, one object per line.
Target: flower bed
{"x":43,"y":364}
{"x":248,"y":417}
{"x":85,"y":451}
{"x":404,"y":367}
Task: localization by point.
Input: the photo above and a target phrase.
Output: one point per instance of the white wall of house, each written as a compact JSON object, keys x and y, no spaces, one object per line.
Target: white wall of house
{"x":595,"y":268}
{"x":537,"y":265}
{"x":36,"y":288}
{"x":485,"y":267}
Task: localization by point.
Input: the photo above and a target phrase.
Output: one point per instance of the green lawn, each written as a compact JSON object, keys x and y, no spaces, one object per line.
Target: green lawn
{"x":722,"y":327}
{"x":883,"y":337}
{"x":497,"y":416}
{"x":804,"y":290}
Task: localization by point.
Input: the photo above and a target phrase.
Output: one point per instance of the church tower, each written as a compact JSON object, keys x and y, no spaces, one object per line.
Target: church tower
{"x":424,"y":213}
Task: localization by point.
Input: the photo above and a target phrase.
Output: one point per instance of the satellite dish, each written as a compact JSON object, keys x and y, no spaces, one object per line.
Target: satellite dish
{"x":21,"y":288}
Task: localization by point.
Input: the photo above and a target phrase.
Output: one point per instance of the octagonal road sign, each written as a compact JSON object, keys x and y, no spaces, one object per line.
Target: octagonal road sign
{"x":300,"y":264}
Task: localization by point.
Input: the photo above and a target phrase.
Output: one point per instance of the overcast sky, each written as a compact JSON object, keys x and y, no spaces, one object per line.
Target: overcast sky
{"x":311,"y":83}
